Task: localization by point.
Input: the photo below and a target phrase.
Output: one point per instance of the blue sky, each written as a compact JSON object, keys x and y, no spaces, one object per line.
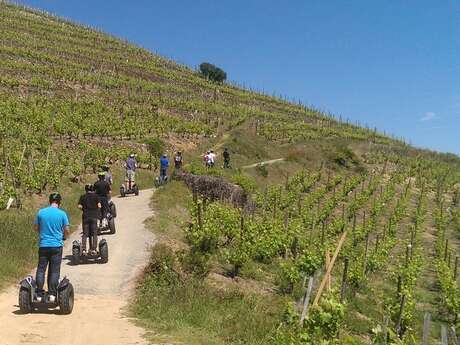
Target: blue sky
{"x":390,"y":64}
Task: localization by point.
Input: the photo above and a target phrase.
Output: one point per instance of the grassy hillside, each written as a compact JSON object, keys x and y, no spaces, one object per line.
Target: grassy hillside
{"x":72,"y":98}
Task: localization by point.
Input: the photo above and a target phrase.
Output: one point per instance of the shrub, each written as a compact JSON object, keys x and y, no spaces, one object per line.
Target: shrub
{"x":162,"y":265}
{"x":325,"y":319}
{"x":344,"y":156}
{"x":288,"y":275}
{"x":244,"y":182}
{"x":262,"y":170}
{"x":195,"y":262}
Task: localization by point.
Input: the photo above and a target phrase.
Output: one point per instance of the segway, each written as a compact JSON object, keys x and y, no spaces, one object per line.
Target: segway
{"x":101,"y":255}
{"x":161,"y":181}
{"x":129,"y":187}
{"x":29,"y":301}
{"x":110,"y":224}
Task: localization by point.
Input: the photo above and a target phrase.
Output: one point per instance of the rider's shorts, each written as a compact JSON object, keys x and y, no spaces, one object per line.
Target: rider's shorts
{"x":130,"y":174}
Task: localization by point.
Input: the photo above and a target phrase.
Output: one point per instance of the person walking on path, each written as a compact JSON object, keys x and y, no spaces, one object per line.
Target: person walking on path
{"x":226,"y":155}
{"x":52,"y":224}
{"x":178,"y":160}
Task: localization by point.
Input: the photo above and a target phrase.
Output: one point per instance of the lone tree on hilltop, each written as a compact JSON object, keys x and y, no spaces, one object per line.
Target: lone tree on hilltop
{"x":211,"y":72}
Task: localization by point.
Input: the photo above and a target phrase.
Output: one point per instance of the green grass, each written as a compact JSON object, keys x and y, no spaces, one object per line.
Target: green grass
{"x":191,"y":311}
{"x":195,"y":313}
{"x":170,"y":205}
{"x":18,"y":244}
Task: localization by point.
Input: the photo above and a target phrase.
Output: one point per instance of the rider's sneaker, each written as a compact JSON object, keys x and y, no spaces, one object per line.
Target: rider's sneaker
{"x":39,"y":299}
{"x":83,"y":252}
{"x":51,"y":298}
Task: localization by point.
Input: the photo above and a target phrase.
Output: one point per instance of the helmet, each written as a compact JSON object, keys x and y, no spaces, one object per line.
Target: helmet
{"x":55,"y":198}
{"x":89,"y":187}
{"x":131,"y":155}
{"x":105,"y":167}
{"x":101,"y":174}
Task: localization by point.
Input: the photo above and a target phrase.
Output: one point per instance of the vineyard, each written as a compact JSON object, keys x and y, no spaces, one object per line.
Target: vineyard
{"x":354,"y":239}
{"x":72,"y":98}
{"x":368,"y":258}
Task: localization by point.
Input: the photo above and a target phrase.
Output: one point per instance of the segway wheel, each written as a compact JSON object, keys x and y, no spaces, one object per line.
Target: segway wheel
{"x":112,"y":225}
{"x":75,"y":255}
{"x":104,"y":252}
{"x":136,"y":190}
{"x":66,"y":299}
{"x":113,"y":210}
{"x":25,"y":303}
{"x":122,"y":192}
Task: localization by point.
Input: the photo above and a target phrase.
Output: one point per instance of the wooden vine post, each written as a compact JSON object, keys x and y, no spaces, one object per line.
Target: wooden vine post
{"x":200,"y":216}
{"x":329,"y":268}
{"x":456,"y":268}
{"x":328,"y":261}
{"x":400,"y":316}
{"x":446,"y":250}
{"x":366,"y":253}
{"x":343,"y":288}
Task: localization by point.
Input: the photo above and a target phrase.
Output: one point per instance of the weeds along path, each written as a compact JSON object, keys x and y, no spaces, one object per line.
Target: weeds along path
{"x":101,"y":290}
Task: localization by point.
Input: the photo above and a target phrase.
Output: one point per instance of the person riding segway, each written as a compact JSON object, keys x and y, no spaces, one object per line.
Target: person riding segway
{"x":52,"y":224}
{"x":109,"y":179}
{"x":130,"y":186}
{"x":108,"y":175}
{"x":164,"y":165}
{"x":131,"y":166}
{"x":103,"y":190}
{"x":90,"y":204}
{"x":163,"y":178}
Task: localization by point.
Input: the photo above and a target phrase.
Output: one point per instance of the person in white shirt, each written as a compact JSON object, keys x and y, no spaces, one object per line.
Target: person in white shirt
{"x":212,"y":158}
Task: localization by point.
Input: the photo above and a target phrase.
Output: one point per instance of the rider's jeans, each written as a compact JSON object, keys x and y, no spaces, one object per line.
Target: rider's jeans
{"x":50,"y":257}
{"x":163,"y":173}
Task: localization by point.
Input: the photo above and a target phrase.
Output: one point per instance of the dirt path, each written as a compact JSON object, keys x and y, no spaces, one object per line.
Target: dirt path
{"x":101,"y":290}
{"x":263,"y":163}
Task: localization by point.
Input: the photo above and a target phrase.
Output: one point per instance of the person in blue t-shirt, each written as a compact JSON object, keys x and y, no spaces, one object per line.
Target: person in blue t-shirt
{"x":164,"y":164}
{"x":52,"y":224}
